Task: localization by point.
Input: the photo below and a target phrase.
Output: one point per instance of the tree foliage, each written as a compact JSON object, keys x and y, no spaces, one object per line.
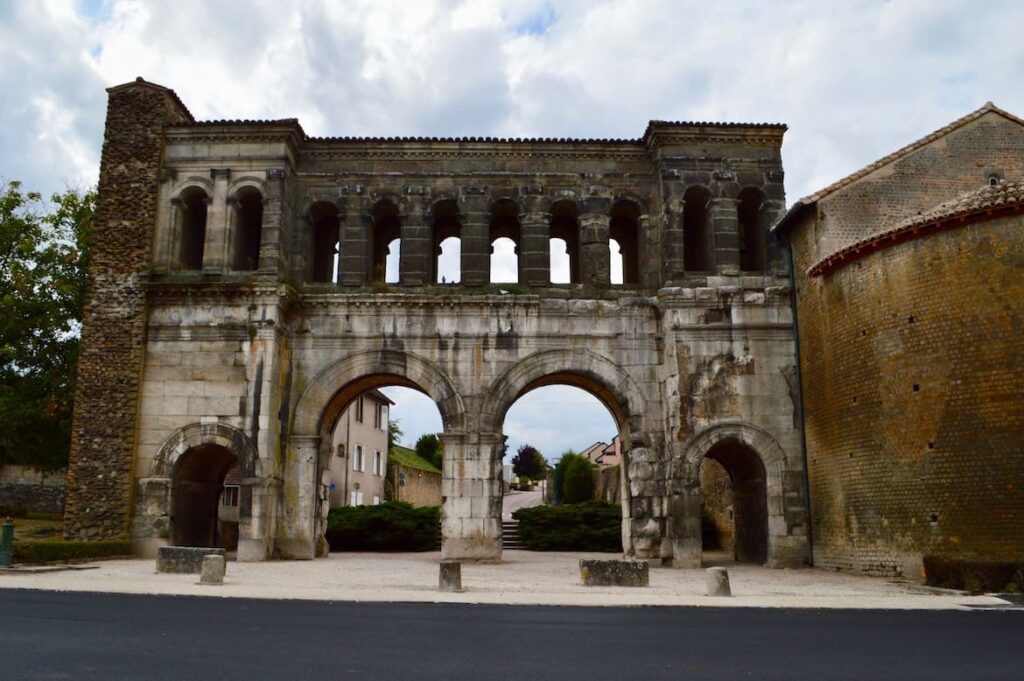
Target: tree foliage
{"x":578,"y":483}
{"x":558,"y":476}
{"x":394,"y":433}
{"x":44,"y":254}
{"x":529,"y":463}
{"x":428,"y":447}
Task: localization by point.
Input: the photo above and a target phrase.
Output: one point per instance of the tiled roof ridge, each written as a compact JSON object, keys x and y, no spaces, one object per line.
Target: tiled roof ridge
{"x":990,"y":201}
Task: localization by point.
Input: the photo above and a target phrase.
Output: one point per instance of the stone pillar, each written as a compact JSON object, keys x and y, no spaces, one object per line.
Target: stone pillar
{"x":725,"y":226}
{"x":476,"y":242}
{"x":355,"y":243}
{"x":777,"y":263}
{"x":471,"y":496}
{"x":682,"y":531}
{"x":674,"y":250}
{"x":595,"y":260}
{"x":100,"y":468}
{"x":271,"y":261}
{"x":414,"y":268}
{"x":257,"y":503}
{"x":151,"y":525}
{"x":296,"y":533}
{"x":644,"y":526}
{"x":535,"y":251}
{"x":216,"y":250}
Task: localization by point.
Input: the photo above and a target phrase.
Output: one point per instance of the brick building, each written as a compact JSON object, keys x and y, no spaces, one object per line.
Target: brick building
{"x":909,"y":280}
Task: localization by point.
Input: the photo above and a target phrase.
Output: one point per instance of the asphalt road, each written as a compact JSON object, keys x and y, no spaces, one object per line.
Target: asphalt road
{"x":51,"y":635}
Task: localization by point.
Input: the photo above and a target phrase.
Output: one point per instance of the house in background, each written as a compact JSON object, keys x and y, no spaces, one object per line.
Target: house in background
{"x":411,"y":478}
{"x":360,"y":451}
{"x":603,"y":454}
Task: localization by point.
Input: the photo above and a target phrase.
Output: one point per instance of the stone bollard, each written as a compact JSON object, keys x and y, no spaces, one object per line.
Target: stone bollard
{"x":213,"y":570}
{"x":718,"y":581}
{"x":6,"y":543}
{"x":450,"y":576}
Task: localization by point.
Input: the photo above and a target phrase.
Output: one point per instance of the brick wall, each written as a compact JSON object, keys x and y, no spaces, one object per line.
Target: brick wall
{"x":913,"y":372}
{"x":114,"y":317}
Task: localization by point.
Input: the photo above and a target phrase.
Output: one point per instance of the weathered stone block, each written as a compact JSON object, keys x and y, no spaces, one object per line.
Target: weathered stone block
{"x":183,"y":559}
{"x":212,"y":570}
{"x":717,"y":580}
{"x":614,"y":572}
{"x":449,"y":577}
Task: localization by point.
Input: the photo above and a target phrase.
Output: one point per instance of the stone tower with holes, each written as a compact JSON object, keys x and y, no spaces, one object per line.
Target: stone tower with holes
{"x":249,"y":281}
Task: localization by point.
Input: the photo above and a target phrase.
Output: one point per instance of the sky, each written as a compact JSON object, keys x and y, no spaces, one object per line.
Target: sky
{"x":853,"y":80}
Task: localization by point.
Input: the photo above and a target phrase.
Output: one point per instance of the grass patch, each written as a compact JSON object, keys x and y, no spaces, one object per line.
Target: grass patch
{"x":390,"y":526}
{"x":590,"y":526}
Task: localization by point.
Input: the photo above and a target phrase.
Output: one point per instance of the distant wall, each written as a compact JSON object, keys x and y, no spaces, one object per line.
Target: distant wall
{"x":607,"y":487}
{"x":35,"y":491}
{"x":421,"y":488}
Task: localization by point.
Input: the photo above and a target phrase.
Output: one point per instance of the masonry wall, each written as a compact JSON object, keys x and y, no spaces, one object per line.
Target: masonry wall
{"x":421,"y":488}
{"x":100,"y":484}
{"x":913,"y":372}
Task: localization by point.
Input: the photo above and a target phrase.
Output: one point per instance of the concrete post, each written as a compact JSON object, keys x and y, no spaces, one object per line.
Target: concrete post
{"x":471,"y":496}
{"x":449,"y":578}
{"x":717,"y":581}
{"x":213,"y":571}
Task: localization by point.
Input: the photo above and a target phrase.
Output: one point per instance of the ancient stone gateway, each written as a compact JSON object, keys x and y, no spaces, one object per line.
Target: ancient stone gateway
{"x":240,"y":298}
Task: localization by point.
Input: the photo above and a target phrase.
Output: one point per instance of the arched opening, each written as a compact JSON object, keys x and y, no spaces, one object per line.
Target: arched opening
{"x":735,"y":510}
{"x":387,"y":243}
{"x":504,"y":236}
{"x":624,"y":231}
{"x":370,"y":458}
{"x":564,"y":243}
{"x":753,"y":230}
{"x":326,"y":255}
{"x":196,"y":498}
{"x":447,"y":243}
{"x":697,"y":251}
{"x":248,"y":229}
{"x":193,"y":228}
{"x":566,"y":435}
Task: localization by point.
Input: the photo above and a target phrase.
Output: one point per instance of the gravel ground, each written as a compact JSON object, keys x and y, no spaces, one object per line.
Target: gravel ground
{"x":524,"y":577}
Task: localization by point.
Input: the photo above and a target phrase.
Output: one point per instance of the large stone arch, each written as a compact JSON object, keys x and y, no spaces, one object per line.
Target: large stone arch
{"x":360,"y":372}
{"x":582,"y":368}
{"x":772,"y":456}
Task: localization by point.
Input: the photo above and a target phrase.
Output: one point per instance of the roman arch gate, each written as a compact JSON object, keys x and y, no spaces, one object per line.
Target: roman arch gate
{"x":244,"y":287}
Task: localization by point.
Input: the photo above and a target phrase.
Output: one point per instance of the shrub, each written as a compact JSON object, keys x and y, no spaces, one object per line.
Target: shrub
{"x":558,"y":476}
{"x":390,"y":526}
{"x":590,"y":526}
{"x":11,"y":511}
{"x":36,"y":552}
{"x":578,"y":482}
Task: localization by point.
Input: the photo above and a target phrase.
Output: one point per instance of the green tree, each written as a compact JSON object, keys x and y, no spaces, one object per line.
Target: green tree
{"x":529,"y":463}
{"x":559,"y":473}
{"x":44,"y":256}
{"x":394,"y":432}
{"x":578,"y":484}
{"x":428,"y":447}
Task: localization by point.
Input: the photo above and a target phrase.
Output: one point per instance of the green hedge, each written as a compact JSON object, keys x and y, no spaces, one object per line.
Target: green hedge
{"x":36,"y":552}
{"x":978,"y":576}
{"x":590,"y":526}
{"x":391,"y":526}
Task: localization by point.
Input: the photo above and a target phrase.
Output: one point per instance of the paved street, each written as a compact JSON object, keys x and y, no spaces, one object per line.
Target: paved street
{"x":513,"y":501}
{"x":48,"y":635}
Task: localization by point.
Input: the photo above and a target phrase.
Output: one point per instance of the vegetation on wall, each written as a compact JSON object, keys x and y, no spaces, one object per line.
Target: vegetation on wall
{"x":590,"y":526}
{"x":390,"y":526}
{"x":44,"y":253}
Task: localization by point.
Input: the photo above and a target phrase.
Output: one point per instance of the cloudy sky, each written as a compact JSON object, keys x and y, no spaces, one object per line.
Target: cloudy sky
{"x":853,"y":80}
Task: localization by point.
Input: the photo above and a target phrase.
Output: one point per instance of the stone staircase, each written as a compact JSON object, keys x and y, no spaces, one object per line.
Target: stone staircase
{"x":510,"y":538}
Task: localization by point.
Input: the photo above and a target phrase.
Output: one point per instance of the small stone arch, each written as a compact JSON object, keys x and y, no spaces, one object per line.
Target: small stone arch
{"x":204,"y":183}
{"x":314,"y":405}
{"x":247,"y":181}
{"x":761,"y":542}
{"x":198,"y":434}
{"x":578,"y":367}
{"x":567,"y":195}
{"x":631,"y":197}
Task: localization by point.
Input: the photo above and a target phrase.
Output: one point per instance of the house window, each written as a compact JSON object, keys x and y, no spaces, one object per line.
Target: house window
{"x":378,"y":463}
{"x":376,"y":500}
{"x":378,"y":417}
{"x":359,"y":410}
{"x":358,"y":462}
{"x":357,"y":496}
{"x":341,"y":450}
{"x":229,"y":497}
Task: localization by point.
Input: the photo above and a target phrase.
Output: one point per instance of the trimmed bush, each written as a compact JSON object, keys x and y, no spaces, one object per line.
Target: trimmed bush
{"x":578,"y":483}
{"x":390,"y":526}
{"x":11,"y":511}
{"x":590,"y":526}
{"x":37,"y":552}
{"x":956,"y":573}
